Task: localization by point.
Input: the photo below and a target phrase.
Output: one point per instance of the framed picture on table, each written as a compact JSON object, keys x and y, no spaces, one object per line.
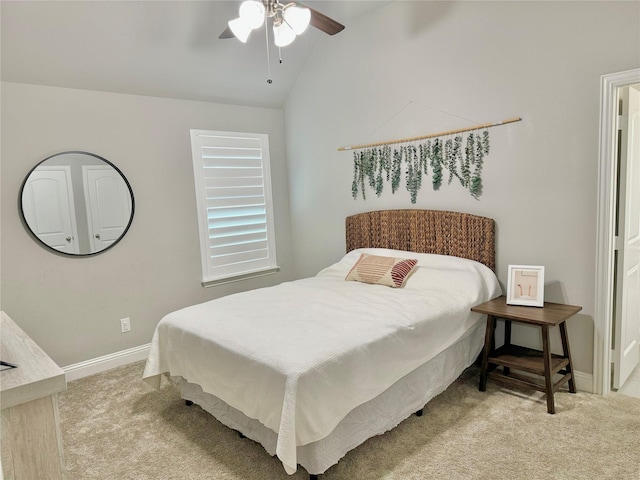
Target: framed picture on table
{"x":525,"y":285}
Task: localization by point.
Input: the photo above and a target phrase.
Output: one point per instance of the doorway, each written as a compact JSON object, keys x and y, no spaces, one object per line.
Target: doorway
{"x":605,"y":302}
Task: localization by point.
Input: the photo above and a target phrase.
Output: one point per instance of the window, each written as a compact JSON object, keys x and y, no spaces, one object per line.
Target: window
{"x":235,"y":214}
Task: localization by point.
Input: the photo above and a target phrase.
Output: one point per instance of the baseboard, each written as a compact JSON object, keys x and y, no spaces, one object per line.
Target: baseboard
{"x":584,"y":381}
{"x":106,"y":362}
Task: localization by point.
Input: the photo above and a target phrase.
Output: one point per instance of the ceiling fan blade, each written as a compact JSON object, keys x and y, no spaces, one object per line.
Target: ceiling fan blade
{"x":324,"y":23}
{"x":227,"y":33}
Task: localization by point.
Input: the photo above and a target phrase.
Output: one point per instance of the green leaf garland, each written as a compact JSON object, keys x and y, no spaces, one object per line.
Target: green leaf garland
{"x":377,"y":165}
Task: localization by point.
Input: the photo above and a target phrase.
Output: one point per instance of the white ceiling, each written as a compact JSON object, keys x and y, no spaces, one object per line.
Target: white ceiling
{"x":158,"y":48}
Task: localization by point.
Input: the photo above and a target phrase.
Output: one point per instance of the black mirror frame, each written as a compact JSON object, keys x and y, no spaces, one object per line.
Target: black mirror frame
{"x":75,"y":255}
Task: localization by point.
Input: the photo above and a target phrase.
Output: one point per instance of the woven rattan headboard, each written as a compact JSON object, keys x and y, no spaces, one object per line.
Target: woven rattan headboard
{"x":425,"y":231}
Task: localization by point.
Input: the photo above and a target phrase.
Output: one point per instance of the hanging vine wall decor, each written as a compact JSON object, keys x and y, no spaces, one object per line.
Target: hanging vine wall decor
{"x":373,"y":166}
{"x":458,"y":154}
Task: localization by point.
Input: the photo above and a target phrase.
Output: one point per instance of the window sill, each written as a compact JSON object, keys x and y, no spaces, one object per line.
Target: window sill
{"x":239,"y":278}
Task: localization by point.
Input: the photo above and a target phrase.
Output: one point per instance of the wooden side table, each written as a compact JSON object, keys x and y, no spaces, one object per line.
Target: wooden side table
{"x":30,"y":436}
{"x":509,"y":356}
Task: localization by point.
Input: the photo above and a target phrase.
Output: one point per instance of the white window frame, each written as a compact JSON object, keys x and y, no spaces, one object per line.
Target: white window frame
{"x":215,"y":269}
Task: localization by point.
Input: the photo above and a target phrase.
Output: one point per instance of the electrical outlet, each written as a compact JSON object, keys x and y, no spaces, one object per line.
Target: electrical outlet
{"x":125,"y":325}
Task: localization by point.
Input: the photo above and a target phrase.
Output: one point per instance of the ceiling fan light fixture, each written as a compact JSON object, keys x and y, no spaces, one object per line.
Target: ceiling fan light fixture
{"x":283,"y":34}
{"x":240,"y":29}
{"x":287,"y":20}
{"x":297,"y":18}
{"x":252,"y":12}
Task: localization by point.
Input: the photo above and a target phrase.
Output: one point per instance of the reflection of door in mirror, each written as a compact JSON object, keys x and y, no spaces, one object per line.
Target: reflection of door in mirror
{"x":77,"y":203}
{"x":108,"y":205}
{"x":48,"y":207}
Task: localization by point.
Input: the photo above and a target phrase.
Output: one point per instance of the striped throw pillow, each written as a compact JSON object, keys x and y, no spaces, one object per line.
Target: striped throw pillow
{"x":389,"y":271}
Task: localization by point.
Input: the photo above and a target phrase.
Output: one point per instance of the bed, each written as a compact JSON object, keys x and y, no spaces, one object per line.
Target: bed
{"x":313,"y":368}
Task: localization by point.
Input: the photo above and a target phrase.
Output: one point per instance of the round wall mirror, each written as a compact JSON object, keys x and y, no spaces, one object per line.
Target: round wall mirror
{"x":77,"y":203}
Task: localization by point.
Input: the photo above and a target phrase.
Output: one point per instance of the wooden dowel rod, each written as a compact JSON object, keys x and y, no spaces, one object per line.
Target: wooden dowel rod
{"x":432,"y":135}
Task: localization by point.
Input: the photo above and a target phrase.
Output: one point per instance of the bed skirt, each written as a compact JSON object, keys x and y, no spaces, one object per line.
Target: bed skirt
{"x":375,"y":417}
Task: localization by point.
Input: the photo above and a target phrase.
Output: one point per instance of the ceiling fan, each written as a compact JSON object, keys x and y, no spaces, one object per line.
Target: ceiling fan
{"x":288,"y":19}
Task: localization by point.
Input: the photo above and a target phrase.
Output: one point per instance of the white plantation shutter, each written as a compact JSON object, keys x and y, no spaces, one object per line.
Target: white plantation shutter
{"x":233,"y":191}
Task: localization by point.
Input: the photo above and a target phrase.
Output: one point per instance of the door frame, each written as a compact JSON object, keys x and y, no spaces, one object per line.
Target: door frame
{"x":605,"y":243}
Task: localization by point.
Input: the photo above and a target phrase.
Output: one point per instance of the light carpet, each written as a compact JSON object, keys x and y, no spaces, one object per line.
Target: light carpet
{"x":115,"y":427}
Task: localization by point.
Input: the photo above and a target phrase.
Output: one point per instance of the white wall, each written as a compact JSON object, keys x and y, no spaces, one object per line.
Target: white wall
{"x":394,"y":74}
{"x":72,"y":306}
{"x":390,"y":74}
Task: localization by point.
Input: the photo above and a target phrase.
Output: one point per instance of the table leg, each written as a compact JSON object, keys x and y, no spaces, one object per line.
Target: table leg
{"x":488,"y":342}
{"x":507,"y":341}
{"x":548,"y":381}
{"x":567,"y":354}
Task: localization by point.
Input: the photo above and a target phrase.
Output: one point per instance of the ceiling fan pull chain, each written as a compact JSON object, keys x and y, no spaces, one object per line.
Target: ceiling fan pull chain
{"x":280,"y":54}
{"x":266,"y":33}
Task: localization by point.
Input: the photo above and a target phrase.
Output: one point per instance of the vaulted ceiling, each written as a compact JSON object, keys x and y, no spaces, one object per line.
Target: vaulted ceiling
{"x":158,"y":48}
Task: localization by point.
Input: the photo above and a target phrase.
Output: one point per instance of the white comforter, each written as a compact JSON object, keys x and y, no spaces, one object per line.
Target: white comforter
{"x":300,"y":356}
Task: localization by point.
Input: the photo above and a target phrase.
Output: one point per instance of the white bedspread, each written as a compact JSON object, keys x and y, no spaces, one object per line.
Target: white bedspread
{"x":298,"y":357}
